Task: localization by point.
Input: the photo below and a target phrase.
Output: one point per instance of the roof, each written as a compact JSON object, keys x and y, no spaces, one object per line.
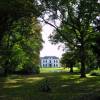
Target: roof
{"x":46,"y":57}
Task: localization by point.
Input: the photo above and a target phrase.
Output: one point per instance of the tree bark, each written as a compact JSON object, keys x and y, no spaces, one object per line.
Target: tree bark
{"x":82,"y":69}
{"x":82,"y":57}
{"x":71,"y":69}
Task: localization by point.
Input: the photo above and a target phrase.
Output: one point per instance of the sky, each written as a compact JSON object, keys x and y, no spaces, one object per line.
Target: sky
{"x":48,"y":48}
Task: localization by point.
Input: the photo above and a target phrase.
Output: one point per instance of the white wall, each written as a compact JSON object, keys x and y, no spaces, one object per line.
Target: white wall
{"x":50,"y":62}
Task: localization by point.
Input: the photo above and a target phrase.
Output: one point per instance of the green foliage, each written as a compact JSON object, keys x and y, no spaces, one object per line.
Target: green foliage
{"x":75,"y":30}
{"x":69,"y":60}
{"x":45,"y":87}
{"x":95,"y":73}
{"x":22,"y":44}
{"x":14,"y":10}
{"x":20,"y":38}
{"x":96,"y":40}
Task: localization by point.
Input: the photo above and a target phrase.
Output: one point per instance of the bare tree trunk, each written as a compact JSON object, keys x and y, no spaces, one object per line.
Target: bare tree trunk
{"x":71,"y":69}
{"x":82,"y":57}
{"x":82,"y":68}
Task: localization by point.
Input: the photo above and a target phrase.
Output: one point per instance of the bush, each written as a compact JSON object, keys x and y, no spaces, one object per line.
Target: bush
{"x":36,"y":70}
{"x":28,"y":69}
{"x":95,"y":73}
{"x":1,"y":71}
{"x":45,"y":87}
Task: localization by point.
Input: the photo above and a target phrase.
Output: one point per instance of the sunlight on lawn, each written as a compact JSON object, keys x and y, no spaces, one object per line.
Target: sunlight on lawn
{"x":45,"y":70}
{"x":64,"y":86}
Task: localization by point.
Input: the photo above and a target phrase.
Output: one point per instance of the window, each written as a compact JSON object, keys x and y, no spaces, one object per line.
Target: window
{"x":43,"y":61}
{"x":49,"y":61}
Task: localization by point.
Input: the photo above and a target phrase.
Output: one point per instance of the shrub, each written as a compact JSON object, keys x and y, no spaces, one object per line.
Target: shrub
{"x":28,"y":69}
{"x":1,"y":71}
{"x":95,"y":73}
{"x":45,"y":87}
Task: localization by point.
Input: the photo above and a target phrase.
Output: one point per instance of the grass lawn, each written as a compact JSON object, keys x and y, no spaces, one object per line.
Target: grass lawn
{"x":64,"y":86}
{"x":60,"y":69}
{"x":49,"y":70}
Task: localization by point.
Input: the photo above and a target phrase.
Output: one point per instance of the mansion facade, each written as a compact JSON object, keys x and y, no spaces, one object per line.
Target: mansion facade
{"x":50,"y":61}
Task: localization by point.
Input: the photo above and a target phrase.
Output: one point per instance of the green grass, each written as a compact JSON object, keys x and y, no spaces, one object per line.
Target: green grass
{"x":49,"y":70}
{"x":64,"y":86}
{"x":60,"y":69}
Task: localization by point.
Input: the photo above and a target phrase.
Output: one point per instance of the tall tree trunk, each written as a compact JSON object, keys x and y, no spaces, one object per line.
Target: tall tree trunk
{"x":6,"y":68}
{"x":82,"y":57}
{"x":82,"y":62}
{"x":82,"y":68}
{"x":71,"y":69}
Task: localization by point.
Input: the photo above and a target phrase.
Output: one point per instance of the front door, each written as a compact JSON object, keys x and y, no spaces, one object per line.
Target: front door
{"x":50,"y":65}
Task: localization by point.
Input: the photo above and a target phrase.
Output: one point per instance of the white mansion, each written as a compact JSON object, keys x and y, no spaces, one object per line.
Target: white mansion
{"x":50,"y":61}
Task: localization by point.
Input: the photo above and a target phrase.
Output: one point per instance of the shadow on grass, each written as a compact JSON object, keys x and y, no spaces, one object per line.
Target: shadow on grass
{"x":19,"y":87}
{"x":71,"y":87}
{"x":64,"y":86}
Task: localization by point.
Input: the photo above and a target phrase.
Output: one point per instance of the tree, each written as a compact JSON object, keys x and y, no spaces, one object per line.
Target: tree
{"x":21,"y":44}
{"x":13,"y":10}
{"x":76,"y":18}
{"x":96,"y":39}
{"x":68,"y":59}
{"x":20,"y":38}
